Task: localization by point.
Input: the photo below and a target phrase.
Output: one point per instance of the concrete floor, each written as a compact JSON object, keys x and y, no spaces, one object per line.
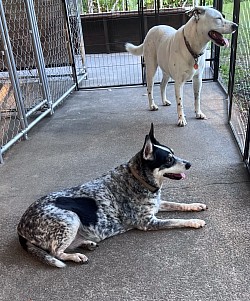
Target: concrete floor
{"x":92,"y":132}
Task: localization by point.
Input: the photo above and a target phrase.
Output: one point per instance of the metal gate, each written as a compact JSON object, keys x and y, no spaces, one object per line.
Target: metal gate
{"x":41,"y":62}
{"x":105,"y":34}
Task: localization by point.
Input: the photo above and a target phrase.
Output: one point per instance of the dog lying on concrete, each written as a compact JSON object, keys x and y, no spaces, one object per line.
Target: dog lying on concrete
{"x":181,"y":55}
{"x":128,"y":197}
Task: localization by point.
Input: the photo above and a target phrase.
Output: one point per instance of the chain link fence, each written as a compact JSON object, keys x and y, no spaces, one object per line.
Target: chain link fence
{"x":41,"y":62}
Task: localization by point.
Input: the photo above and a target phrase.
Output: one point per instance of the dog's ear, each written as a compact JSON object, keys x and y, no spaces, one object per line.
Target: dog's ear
{"x":152,"y":135}
{"x":196,"y":12}
{"x":147,"y":151}
{"x":151,"y":132}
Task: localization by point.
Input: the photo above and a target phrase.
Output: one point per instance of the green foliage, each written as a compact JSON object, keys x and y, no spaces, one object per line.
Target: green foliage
{"x":95,"y":6}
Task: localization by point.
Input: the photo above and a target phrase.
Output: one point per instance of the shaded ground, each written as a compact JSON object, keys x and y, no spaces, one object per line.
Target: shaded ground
{"x":89,"y":134}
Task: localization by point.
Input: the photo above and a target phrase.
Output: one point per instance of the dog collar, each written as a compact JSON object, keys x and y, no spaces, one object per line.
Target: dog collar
{"x":194,"y":55}
{"x":144,"y":183}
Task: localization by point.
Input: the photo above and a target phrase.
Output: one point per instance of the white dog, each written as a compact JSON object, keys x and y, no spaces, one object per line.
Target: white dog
{"x":180,"y":54}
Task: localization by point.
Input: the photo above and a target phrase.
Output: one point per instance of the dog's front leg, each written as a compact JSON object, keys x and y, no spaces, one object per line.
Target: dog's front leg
{"x":159,"y":224}
{"x":172,"y":206}
{"x":197,"y":84}
{"x":179,"y":100}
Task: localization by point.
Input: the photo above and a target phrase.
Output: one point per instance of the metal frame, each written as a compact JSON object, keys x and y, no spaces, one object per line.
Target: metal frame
{"x":231,"y":84}
{"x":38,"y":53}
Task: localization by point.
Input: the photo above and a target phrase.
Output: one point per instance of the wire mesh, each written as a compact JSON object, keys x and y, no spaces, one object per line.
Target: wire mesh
{"x":37,"y":69}
{"x":9,"y":118}
{"x":106,"y":29}
{"x":76,"y":36}
{"x":241,"y":89}
{"x":55,"y":45}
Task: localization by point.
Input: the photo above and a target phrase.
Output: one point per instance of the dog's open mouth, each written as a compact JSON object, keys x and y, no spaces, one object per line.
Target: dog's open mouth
{"x":218,"y":38}
{"x":175,"y":176}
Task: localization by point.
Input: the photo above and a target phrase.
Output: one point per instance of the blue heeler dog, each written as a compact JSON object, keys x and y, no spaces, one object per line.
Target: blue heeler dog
{"x":127,"y":197}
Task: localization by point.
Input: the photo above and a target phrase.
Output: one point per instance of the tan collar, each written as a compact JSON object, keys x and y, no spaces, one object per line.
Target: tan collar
{"x":144,"y":183}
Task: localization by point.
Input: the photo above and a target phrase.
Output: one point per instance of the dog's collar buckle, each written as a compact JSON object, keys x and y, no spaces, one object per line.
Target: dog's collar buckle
{"x":194,"y":55}
{"x":151,"y":188}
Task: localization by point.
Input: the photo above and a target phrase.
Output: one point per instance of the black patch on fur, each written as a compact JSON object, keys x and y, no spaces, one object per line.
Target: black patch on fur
{"x":84,"y":207}
{"x":23,"y":242}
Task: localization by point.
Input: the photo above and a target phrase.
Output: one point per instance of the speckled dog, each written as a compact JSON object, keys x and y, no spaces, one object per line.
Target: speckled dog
{"x":128,"y":197}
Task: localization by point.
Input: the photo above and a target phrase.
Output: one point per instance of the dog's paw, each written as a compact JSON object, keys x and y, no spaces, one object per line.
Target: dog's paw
{"x":90,"y":245}
{"x":196,"y":223}
{"x":182,"y":121}
{"x":197,"y":207}
{"x":153,"y":107}
{"x":200,"y":115}
{"x":80,"y":258}
{"x":166,"y":102}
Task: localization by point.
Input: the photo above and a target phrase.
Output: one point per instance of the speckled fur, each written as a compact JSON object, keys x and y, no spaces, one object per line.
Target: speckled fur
{"x":120,"y":202}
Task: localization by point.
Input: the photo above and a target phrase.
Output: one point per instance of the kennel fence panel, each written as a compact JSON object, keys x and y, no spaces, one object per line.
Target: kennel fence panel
{"x":41,"y":72}
{"x":234,"y":77}
{"x":76,"y":39}
{"x":55,"y":46}
{"x":106,"y":32}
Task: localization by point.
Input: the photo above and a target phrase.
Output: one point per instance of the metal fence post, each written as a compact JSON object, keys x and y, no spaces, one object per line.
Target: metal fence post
{"x":12,"y":69}
{"x":218,"y":5}
{"x":246,"y":155}
{"x":70,"y":48}
{"x":236,"y":15}
{"x":38,"y":52}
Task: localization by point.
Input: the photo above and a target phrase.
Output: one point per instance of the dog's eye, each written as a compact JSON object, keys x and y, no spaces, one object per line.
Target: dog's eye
{"x":169,"y":159}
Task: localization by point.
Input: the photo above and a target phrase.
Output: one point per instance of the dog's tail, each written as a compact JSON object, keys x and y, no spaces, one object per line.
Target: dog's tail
{"x":40,"y":253}
{"x":135,"y":50}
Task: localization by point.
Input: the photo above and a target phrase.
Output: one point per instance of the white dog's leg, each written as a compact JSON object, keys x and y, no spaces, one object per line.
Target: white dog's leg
{"x":197,"y":84}
{"x":164,"y":81}
{"x":179,"y":100}
{"x":151,"y":66}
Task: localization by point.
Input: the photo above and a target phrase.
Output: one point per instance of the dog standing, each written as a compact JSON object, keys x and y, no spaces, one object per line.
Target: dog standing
{"x":181,"y":54}
{"x":128,"y":197}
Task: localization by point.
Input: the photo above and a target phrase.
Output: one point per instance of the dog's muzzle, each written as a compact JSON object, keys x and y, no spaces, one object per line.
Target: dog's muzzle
{"x":178,"y":176}
{"x":187,"y":165}
{"x":234,"y":27}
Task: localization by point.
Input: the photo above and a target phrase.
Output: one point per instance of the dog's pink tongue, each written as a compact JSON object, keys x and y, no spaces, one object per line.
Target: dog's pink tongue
{"x":226,"y":42}
{"x":183,"y":176}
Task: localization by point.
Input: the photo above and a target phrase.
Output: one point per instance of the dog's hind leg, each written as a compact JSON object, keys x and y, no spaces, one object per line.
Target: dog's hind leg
{"x":151,"y":66}
{"x":40,"y":254}
{"x":197,"y":84}
{"x":90,"y":245}
{"x":164,"y":82}
{"x":66,"y":240}
{"x":172,"y":206}
{"x":80,"y":242}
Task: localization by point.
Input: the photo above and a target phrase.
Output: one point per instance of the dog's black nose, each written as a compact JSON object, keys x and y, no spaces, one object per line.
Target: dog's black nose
{"x":187,"y":165}
{"x":234,"y":27}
